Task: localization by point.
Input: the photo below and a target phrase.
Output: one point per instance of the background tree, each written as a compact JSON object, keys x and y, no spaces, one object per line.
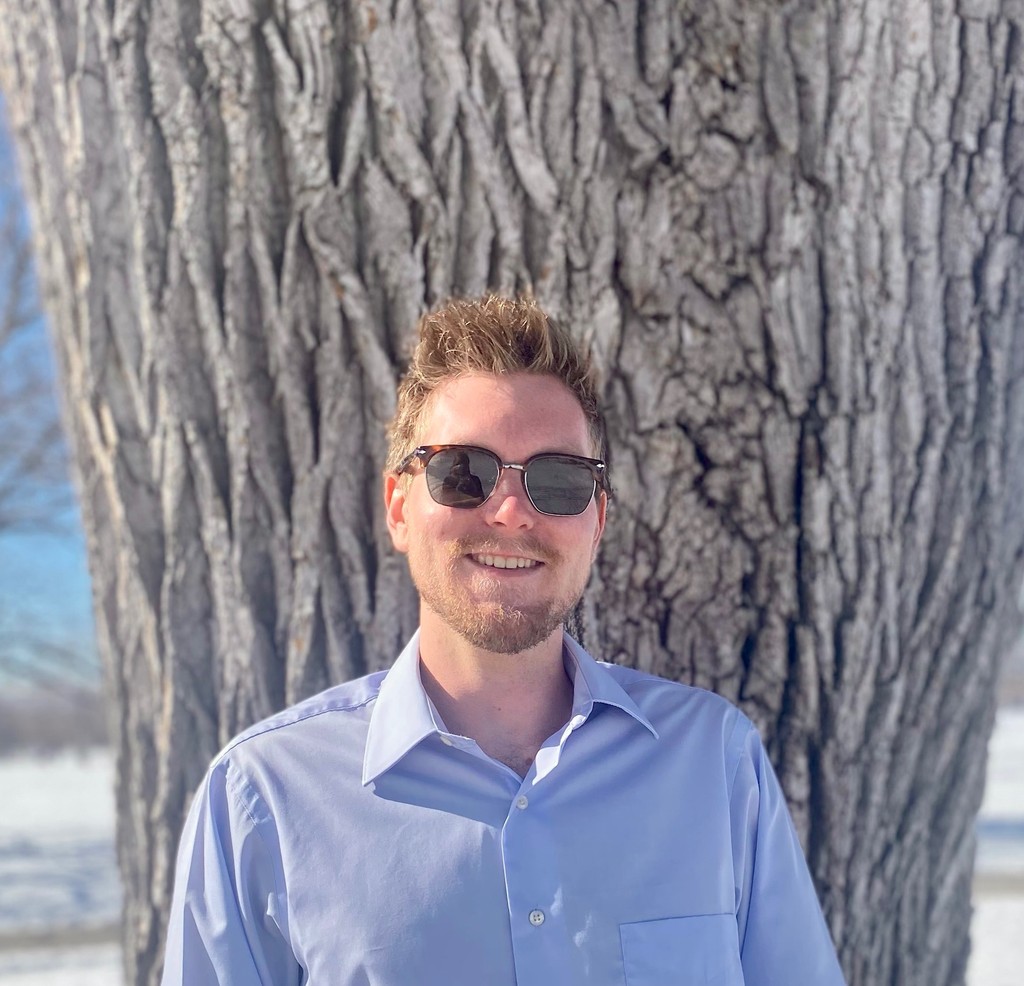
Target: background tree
{"x":36,"y":498}
{"x":791,"y":233}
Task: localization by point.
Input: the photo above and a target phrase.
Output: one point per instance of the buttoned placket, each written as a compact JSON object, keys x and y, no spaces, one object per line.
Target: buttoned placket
{"x":541,"y":943}
{"x":532,"y":871}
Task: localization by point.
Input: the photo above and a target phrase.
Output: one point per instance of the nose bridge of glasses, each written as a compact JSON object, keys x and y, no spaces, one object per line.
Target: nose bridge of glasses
{"x":504,"y":467}
{"x":517,"y":492}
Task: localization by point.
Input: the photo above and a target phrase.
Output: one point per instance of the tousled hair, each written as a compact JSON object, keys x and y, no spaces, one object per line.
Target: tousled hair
{"x":495,"y":335}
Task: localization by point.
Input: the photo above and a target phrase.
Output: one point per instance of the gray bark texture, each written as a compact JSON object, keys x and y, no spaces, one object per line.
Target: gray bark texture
{"x":792,"y":234}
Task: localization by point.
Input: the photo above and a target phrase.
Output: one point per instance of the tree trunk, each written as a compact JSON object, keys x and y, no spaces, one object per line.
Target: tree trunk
{"x":791,"y":233}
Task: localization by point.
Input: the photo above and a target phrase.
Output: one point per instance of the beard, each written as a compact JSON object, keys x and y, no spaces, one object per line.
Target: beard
{"x":497,"y":625}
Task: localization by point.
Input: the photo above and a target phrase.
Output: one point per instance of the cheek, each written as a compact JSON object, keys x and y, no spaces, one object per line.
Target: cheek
{"x":589,"y":529}
{"x":577,"y":545}
{"x":430,"y":525}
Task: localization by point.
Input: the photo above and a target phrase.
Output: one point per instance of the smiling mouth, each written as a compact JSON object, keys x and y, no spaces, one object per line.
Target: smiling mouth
{"x":505,"y":561}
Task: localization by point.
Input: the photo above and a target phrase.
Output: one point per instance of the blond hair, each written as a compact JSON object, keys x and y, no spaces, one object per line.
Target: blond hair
{"x":490,"y":335}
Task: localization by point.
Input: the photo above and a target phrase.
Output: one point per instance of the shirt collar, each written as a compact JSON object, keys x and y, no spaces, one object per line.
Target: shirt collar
{"x":594,"y":683}
{"x":403,"y":716}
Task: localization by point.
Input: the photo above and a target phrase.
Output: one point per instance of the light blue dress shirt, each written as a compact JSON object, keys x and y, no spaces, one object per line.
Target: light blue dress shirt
{"x":352,"y":841}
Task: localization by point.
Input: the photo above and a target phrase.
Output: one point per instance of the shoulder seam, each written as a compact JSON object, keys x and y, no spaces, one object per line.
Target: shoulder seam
{"x":270,"y":728}
{"x":741,"y":720}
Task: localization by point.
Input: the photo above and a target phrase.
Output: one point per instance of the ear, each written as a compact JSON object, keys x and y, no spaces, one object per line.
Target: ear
{"x":394,"y":510}
{"x":602,"y":516}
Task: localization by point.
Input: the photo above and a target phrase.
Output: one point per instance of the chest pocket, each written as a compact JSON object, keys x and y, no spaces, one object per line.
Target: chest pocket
{"x":694,"y":951}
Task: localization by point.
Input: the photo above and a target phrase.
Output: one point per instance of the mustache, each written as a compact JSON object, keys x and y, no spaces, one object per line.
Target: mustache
{"x":523,"y":546}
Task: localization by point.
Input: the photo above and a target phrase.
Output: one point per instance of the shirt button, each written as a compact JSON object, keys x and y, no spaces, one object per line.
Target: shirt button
{"x":522,"y":801}
{"x":447,"y":741}
{"x":536,"y":918}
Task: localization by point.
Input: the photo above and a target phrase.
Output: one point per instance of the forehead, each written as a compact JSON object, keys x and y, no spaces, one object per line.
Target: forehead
{"x":515,"y":414}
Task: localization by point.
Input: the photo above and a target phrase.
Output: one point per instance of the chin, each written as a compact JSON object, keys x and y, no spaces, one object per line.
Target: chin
{"x":506,"y":631}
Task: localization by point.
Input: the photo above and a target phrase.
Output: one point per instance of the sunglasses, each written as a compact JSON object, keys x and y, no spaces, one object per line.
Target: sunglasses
{"x":464,"y":476}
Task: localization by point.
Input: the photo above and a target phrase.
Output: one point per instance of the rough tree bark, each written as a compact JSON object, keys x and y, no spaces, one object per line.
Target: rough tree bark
{"x":791,"y":232}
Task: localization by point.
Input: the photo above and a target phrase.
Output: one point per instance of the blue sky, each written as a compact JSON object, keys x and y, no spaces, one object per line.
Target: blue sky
{"x":45,"y":598}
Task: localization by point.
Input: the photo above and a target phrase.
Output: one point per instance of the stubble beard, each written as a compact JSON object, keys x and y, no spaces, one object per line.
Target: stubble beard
{"x":493,"y":626}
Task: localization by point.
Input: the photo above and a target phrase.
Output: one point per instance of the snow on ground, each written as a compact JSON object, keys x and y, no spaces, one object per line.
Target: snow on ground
{"x":998,"y":952}
{"x":1001,"y":824}
{"x":92,"y":965}
{"x":57,"y":868}
{"x":1004,"y":783}
{"x":998,"y":927}
{"x":57,"y":862}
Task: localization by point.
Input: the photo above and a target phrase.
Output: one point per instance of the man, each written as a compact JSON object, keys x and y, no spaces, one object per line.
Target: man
{"x":498,"y":808}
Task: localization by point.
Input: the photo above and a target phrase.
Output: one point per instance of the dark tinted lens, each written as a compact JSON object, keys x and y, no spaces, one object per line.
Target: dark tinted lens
{"x":559,"y":485}
{"x":461,"y":477}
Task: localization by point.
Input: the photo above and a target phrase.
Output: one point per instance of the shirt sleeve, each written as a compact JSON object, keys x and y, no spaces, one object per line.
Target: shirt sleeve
{"x":782,"y":932}
{"x":228,"y":921}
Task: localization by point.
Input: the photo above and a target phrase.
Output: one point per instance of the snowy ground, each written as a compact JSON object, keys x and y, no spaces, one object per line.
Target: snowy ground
{"x":997,"y":957}
{"x":57,"y":865}
{"x":59,"y":896}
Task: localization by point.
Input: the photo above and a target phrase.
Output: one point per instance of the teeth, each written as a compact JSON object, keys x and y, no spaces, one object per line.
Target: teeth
{"x":503,"y":561}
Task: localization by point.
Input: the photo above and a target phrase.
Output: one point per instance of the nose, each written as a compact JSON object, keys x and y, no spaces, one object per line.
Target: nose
{"x":508,"y":505}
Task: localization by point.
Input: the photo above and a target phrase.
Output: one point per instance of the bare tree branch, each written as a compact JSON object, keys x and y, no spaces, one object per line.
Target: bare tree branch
{"x":36,"y":497}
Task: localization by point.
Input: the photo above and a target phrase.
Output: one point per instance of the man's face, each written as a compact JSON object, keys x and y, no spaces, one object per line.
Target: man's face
{"x":451,"y":551}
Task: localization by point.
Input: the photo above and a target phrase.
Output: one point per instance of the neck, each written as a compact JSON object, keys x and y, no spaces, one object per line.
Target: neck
{"x":509,"y":703}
